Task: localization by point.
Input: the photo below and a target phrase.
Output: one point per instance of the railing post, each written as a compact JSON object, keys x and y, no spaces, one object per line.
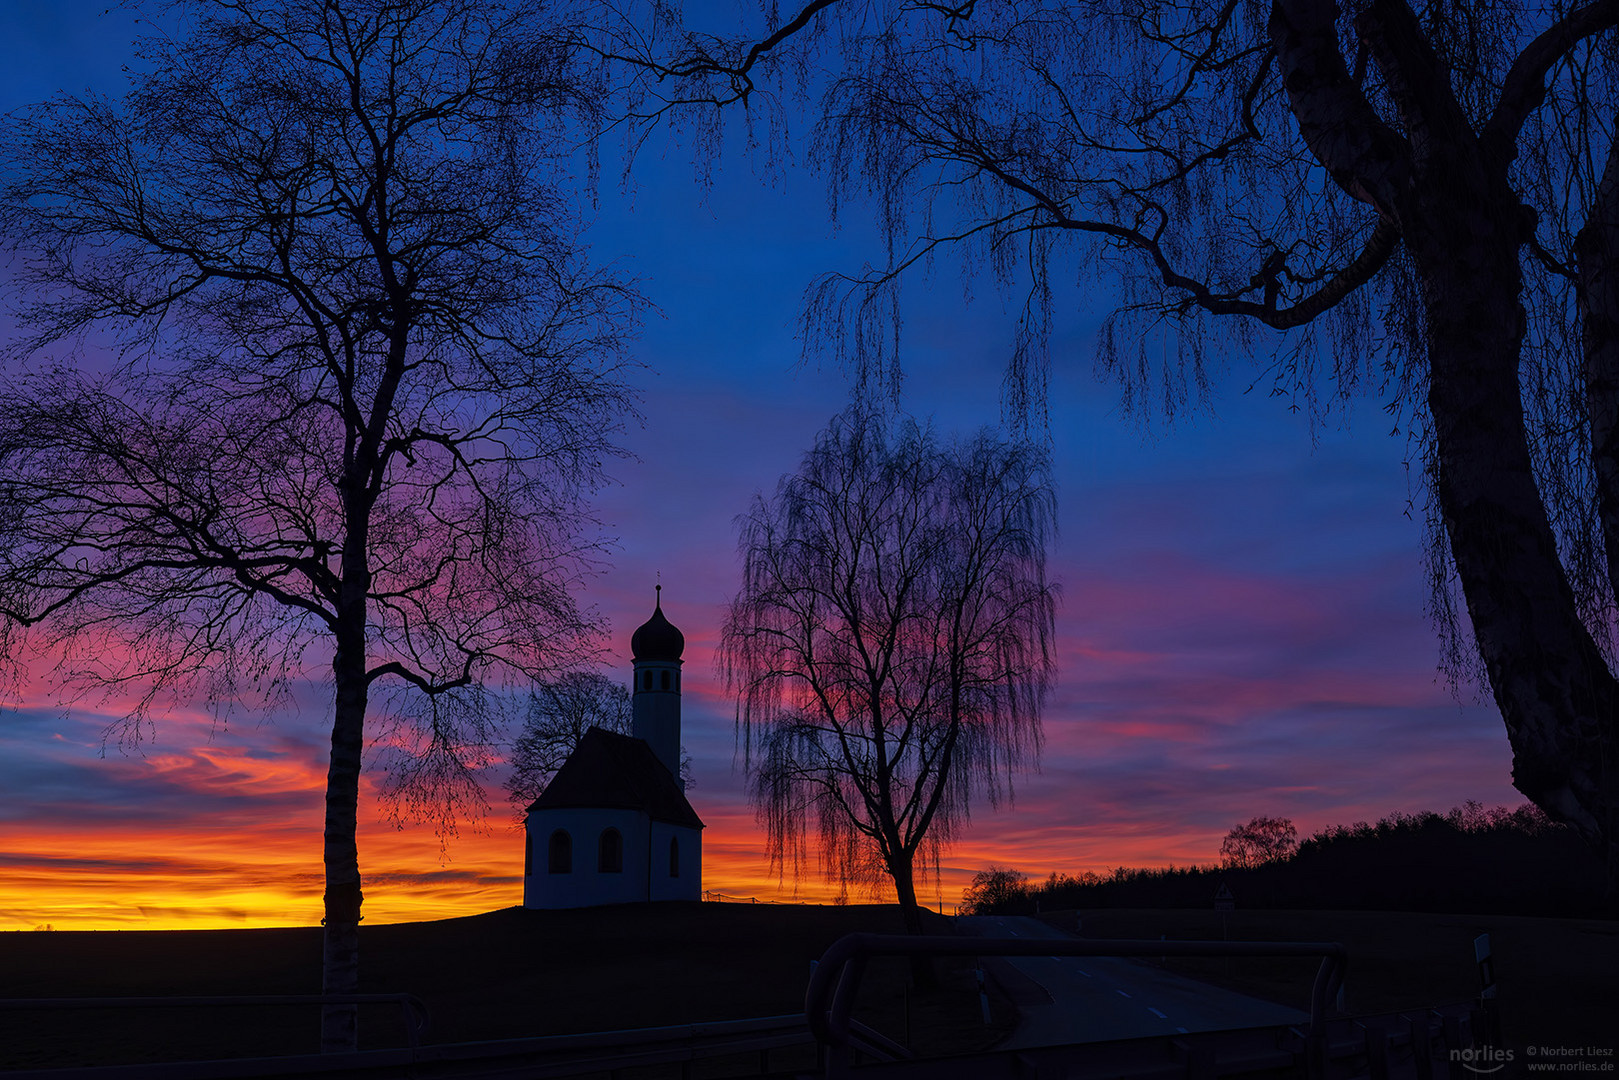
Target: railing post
{"x":1488,"y":1002}
{"x":1422,"y":1046}
{"x":1315,"y":1052}
{"x":835,"y":1059}
{"x":1377,"y":1051}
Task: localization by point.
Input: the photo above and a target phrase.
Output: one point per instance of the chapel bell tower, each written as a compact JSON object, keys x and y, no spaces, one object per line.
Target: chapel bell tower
{"x":655,"y":704}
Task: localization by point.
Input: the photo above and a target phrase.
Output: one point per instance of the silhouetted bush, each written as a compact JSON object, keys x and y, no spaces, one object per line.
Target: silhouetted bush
{"x":1473,"y":860}
{"x":1262,"y":840}
{"x":998,"y":891}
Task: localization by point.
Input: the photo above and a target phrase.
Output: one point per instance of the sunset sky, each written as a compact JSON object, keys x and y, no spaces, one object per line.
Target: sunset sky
{"x":1241,"y":632}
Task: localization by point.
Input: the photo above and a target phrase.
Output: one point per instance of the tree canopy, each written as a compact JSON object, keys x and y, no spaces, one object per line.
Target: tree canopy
{"x":560,"y":711}
{"x":362,"y":383}
{"x":1262,"y":840}
{"x":891,"y":642}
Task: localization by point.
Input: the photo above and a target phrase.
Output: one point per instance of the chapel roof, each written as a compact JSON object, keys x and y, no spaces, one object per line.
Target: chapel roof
{"x":608,"y":770}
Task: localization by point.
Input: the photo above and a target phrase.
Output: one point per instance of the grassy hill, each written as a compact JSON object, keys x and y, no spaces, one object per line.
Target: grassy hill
{"x":516,"y":972}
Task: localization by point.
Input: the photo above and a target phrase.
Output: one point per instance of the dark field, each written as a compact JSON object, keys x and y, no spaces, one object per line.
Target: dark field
{"x":514,"y":973}
{"x":1557,"y":979}
{"x":505,"y":974}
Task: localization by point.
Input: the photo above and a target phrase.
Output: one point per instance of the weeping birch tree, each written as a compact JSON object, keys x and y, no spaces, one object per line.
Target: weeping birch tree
{"x":312,"y":376}
{"x":891,"y":643}
{"x":1417,"y":199}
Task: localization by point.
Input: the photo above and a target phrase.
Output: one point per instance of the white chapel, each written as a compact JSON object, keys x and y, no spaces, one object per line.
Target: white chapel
{"x":613,"y":826}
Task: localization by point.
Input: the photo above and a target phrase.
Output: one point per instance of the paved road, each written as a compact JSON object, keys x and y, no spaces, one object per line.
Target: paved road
{"x":1085,"y":999}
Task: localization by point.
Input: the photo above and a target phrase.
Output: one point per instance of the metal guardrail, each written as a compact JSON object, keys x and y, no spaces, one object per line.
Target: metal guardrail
{"x":1422,"y":1044}
{"x":712,"y":897}
{"x":411,"y":1006}
{"x":836,"y":980}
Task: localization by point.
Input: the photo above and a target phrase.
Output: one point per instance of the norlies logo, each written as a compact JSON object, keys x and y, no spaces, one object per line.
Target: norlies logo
{"x":1482,"y":1059}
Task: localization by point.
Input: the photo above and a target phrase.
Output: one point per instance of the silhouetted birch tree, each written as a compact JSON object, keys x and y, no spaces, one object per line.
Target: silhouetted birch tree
{"x":891,"y":643}
{"x":359,"y":383}
{"x":559,"y":713}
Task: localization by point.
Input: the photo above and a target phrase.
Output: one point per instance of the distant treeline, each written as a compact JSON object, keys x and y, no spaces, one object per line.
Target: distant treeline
{"x":1472,"y":860}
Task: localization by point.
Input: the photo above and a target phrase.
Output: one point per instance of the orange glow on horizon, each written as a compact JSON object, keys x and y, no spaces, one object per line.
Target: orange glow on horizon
{"x":271,"y":876}
{"x":219,"y":825}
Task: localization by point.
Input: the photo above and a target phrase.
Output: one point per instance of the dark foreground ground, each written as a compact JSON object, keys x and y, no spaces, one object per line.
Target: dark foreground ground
{"x":505,"y":974}
{"x":516,"y":973}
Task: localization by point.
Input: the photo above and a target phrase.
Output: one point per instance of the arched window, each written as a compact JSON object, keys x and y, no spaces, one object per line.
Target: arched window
{"x":674,"y":856}
{"x":559,"y":859}
{"x":666,"y":680}
{"x":610,"y":853}
{"x":528,"y":853}
{"x":646,"y":683}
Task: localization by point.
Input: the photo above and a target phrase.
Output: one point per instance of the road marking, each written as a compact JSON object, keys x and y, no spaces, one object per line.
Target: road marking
{"x":1083,"y":972}
{"x":1156,"y":1013}
{"x":1181,"y":1030}
{"x":1121,"y":993}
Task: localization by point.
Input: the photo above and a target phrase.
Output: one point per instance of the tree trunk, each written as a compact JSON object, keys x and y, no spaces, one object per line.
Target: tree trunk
{"x":899,"y":868}
{"x":359,"y":486}
{"x":905,"y":889}
{"x":1549,"y":679}
{"x":340,"y":967}
{"x":1450,"y":197}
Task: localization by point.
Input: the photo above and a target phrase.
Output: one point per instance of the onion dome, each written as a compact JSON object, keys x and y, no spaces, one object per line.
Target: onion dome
{"x":657,"y":639}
